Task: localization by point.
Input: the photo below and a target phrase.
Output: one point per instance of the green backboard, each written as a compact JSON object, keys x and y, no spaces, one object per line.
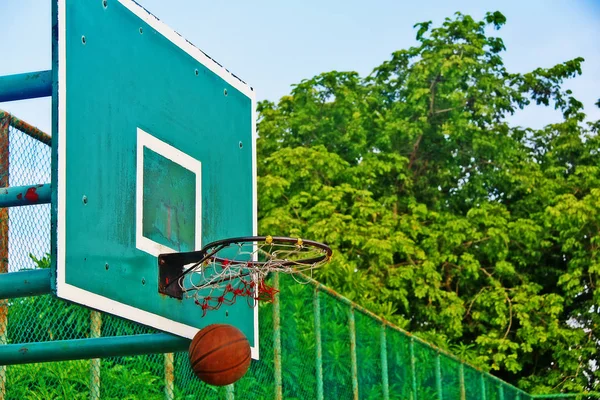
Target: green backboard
{"x":156,"y":154}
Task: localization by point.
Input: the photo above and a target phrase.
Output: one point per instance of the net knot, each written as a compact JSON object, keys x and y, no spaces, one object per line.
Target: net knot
{"x":266,"y":292}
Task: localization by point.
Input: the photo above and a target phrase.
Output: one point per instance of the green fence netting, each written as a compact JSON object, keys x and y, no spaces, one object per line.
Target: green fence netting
{"x":314,"y":344}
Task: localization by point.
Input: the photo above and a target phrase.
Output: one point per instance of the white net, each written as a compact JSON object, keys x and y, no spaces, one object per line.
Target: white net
{"x":239,"y":268}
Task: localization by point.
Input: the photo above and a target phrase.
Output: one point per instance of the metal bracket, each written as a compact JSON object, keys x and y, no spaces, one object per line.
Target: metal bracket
{"x":171,"y":267}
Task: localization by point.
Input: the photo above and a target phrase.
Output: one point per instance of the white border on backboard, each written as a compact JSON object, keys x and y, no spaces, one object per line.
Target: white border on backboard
{"x":70,"y":292}
{"x":254,"y":350}
{"x":144,"y":139}
{"x":186,"y":46}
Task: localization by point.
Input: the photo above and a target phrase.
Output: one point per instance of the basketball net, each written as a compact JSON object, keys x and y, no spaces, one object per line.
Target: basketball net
{"x":239,"y":268}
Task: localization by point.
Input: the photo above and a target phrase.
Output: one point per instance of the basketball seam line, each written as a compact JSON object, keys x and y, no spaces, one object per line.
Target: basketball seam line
{"x":197,"y":340}
{"x":224,"y":370}
{"x":217,"y":349}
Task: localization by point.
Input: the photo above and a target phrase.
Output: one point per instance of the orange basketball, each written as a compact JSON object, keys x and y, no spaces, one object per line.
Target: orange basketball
{"x":219,"y":354}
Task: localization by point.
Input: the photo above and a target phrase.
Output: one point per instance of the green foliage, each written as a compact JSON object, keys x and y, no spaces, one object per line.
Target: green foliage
{"x":64,"y":380}
{"x":71,"y":380}
{"x":123,"y":381}
{"x":476,"y":235}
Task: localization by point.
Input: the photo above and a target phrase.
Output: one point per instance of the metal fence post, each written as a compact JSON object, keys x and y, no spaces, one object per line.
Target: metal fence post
{"x":413,"y":369}
{"x":319,"y":349}
{"x":482,"y":383}
{"x":352,"y":327}
{"x":4,"y":157}
{"x":384,"y":364}
{"x":230,"y":392}
{"x":463,"y":392}
{"x":438,"y":375}
{"x":277,"y":339}
{"x":169,"y":376}
{"x":95,"y":332}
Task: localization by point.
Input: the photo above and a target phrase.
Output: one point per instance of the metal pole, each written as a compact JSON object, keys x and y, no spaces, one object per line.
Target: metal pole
{"x":25,"y":283}
{"x":384,"y":364}
{"x":482,"y":382}
{"x":169,"y":376}
{"x":28,"y":129}
{"x":29,"y":85}
{"x":230,"y":392}
{"x":413,"y":368}
{"x":438,"y":376}
{"x":4,"y":182}
{"x":95,"y":332}
{"x":25,"y":195}
{"x":319,"y":350}
{"x":277,"y":340}
{"x":352,"y":327}
{"x":500,"y":391}
{"x":79,"y":349}
{"x":463,"y":392}
{"x":54,"y":133}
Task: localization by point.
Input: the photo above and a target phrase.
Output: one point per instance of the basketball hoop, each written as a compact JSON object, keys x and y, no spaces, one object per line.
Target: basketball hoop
{"x":228,"y":269}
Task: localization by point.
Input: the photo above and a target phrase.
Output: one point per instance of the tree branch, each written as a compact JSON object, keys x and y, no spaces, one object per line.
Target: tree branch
{"x":475,"y":298}
{"x":432,"y":90}
{"x":510,"y":314}
{"x":472,"y":242}
{"x":413,"y":154}
{"x":445,"y":110}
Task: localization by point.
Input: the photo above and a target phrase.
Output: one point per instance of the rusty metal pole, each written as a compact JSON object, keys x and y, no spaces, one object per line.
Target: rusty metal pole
{"x":169,"y":376}
{"x":4,"y":142}
{"x":30,"y":130}
{"x":352,"y":327}
{"x":277,"y":340}
{"x":95,"y":332}
{"x":20,"y":196}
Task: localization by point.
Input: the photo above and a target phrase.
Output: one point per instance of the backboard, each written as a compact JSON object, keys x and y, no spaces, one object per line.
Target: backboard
{"x":155,"y":153}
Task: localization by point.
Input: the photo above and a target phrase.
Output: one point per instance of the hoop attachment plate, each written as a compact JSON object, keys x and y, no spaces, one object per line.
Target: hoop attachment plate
{"x":171,"y":266}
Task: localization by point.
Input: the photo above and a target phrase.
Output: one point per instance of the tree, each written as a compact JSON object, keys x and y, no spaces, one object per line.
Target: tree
{"x":474,"y":234}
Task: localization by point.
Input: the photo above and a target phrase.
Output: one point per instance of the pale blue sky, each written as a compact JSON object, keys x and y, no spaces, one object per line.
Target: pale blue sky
{"x":274,"y":44}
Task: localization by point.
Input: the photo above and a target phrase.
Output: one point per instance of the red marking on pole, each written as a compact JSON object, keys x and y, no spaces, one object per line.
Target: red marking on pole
{"x":20,"y":196}
{"x":31,"y":194}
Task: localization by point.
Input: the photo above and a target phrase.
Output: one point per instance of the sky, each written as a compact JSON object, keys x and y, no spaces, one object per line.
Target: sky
{"x":274,"y":44}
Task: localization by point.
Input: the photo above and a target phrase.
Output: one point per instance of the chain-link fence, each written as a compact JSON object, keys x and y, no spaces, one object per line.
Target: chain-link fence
{"x":314,"y":344}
